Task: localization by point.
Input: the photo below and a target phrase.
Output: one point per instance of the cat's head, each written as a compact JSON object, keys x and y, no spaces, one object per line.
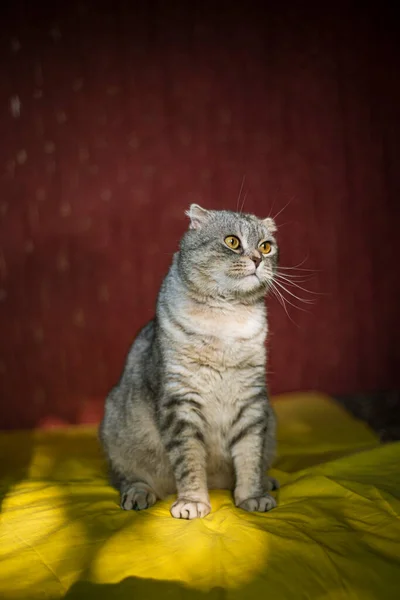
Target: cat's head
{"x":228,"y":254}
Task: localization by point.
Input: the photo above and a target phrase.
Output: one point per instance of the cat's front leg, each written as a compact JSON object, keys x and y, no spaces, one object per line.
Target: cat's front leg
{"x":182,"y":429}
{"x":247,"y":445}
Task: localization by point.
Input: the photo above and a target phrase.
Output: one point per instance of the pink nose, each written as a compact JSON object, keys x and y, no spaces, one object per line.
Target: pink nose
{"x":256,"y":258}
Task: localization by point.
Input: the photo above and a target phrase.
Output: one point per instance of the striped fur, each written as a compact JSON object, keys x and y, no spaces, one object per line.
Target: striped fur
{"x":191,"y":412}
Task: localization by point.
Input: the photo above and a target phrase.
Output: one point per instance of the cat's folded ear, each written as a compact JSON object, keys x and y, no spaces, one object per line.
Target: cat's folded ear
{"x":197,"y":215}
{"x":270,"y":224}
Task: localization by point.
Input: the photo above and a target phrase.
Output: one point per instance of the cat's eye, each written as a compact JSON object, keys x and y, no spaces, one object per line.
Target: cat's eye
{"x":232,"y":242}
{"x":265,"y":247}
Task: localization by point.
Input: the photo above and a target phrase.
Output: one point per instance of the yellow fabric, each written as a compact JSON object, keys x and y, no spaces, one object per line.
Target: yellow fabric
{"x":335,"y":534}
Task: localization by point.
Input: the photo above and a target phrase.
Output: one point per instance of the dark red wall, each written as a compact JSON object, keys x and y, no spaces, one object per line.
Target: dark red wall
{"x":126,"y":116}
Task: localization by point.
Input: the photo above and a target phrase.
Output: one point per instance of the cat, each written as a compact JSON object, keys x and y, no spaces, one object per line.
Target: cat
{"x":191,"y":410}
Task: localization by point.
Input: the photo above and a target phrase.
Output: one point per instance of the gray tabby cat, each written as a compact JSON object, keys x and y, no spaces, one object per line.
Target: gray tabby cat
{"x":191,"y":411}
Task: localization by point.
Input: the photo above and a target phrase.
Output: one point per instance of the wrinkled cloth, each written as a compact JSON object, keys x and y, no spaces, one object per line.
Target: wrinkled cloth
{"x":334,"y":535}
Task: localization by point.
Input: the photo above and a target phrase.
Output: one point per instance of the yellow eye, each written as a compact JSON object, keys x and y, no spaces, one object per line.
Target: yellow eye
{"x":232,"y":242}
{"x":265,"y":247}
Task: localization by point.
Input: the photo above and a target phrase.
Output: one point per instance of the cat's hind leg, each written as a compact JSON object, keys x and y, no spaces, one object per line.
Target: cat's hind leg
{"x":137,"y":496}
{"x":134,"y":495}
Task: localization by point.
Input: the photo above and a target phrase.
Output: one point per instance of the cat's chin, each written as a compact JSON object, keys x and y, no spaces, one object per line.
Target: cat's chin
{"x":246,"y":285}
{"x":250,"y":283}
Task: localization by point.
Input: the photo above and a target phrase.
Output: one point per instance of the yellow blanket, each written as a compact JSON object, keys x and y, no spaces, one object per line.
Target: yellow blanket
{"x":334,"y":535}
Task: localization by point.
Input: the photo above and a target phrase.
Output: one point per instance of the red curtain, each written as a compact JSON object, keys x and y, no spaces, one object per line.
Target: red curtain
{"x":116,"y":116}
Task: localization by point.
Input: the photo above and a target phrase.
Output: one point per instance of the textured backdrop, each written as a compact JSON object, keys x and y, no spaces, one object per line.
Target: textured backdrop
{"x":115,"y":116}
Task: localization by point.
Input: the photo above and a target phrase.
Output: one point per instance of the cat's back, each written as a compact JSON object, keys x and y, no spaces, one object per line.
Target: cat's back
{"x":131,"y":388}
{"x":140,"y":350}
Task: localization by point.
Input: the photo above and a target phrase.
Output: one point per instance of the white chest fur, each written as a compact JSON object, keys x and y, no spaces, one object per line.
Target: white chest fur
{"x":215,"y":338}
{"x":230,"y":322}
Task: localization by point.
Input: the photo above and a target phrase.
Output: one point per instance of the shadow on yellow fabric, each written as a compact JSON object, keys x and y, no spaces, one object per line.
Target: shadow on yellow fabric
{"x":334,"y":535}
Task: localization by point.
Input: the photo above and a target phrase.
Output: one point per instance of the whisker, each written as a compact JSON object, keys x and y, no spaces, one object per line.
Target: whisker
{"x":240,"y":192}
{"x":281,"y":301}
{"x":244,"y":200}
{"x":282,"y":209}
{"x":296,"y":284}
{"x":299,"y":267}
{"x":301,"y":263}
{"x":294,"y":295}
{"x":272,"y":207}
{"x":283,"y":224}
{"x":291,"y":303}
{"x":292,"y":276}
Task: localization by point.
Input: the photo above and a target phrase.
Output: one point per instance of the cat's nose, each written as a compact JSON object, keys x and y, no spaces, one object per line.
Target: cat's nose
{"x":256,"y":258}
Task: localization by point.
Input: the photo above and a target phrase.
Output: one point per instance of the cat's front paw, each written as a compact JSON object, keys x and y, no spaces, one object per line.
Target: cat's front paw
{"x":189,"y":509}
{"x":260,"y":504}
{"x":138,"y":497}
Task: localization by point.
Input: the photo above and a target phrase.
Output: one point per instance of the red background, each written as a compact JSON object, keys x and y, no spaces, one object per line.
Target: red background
{"x":114,"y":119}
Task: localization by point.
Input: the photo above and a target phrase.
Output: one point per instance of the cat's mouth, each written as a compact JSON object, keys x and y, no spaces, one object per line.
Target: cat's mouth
{"x":247,"y":274}
{"x":252,"y":278}
{"x":252,"y":273}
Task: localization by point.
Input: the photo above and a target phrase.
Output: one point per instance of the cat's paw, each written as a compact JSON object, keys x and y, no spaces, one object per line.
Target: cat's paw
{"x":272,"y":484}
{"x":189,"y":509}
{"x":138,"y":497}
{"x":261,"y":504}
